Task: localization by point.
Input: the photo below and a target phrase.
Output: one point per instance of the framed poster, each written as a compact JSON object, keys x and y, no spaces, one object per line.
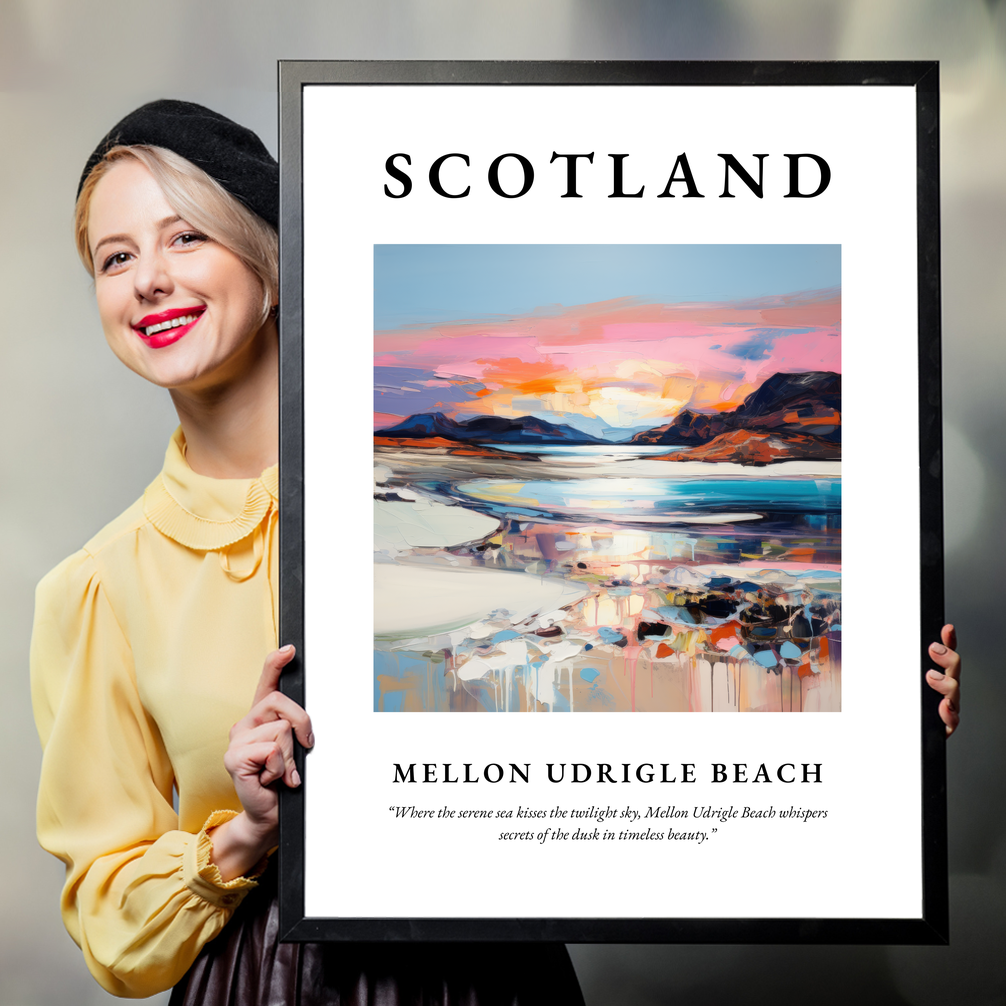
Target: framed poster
{"x":610,"y":412}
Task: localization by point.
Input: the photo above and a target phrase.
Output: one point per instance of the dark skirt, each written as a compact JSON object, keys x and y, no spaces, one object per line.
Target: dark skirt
{"x":246,"y":965}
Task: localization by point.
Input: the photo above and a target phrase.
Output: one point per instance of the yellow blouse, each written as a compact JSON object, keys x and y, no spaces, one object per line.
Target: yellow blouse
{"x":147,"y":647}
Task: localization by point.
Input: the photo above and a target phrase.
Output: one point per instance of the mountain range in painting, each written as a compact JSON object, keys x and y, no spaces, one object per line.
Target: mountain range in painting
{"x":488,"y":430}
{"x":788,"y":416}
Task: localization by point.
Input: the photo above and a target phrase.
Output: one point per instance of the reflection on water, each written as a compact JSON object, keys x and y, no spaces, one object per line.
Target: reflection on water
{"x":711,"y":593}
{"x":654,"y":496}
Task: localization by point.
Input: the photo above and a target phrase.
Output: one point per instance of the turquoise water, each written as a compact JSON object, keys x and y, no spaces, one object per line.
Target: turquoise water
{"x":654,"y":496}
{"x":658,"y":555}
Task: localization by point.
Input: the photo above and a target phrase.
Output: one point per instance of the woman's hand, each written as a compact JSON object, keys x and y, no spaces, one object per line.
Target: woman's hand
{"x":947,"y":682}
{"x":260,"y":753}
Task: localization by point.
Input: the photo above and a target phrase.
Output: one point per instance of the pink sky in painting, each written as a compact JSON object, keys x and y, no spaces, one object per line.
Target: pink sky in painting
{"x":624,"y":362}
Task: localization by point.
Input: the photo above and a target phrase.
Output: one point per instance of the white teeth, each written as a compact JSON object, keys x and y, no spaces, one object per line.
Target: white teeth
{"x":174,"y":323}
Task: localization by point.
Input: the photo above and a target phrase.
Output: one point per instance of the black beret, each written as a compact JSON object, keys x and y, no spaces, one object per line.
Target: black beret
{"x":230,"y":154}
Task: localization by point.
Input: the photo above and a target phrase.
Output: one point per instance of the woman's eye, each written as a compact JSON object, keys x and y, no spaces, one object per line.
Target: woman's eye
{"x":114,"y":261}
{"x":190,"y":238}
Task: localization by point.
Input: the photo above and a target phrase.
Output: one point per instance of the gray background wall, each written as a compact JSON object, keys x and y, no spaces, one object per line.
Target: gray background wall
{"x":81,"y":436}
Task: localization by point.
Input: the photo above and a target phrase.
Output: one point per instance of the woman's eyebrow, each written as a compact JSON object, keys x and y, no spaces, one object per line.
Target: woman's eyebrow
{"x":109,"y":240}
{"x":160,"y":225}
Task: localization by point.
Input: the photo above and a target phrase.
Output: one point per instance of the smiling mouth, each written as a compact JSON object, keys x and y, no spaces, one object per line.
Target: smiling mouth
{"x":164,"y":326}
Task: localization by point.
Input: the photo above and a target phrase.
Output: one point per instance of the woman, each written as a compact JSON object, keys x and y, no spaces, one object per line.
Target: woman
{"x":148,"y":643}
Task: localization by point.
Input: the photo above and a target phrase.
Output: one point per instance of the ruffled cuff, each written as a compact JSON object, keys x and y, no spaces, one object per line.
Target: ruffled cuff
{"x":203,"y":878}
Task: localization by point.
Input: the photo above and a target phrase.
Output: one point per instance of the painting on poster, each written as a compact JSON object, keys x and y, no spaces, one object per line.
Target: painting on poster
{"x":667,"y":469}
{"x":584,"y":416}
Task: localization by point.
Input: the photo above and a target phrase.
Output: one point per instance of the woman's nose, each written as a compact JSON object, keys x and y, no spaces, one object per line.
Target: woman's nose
{"x":152,"y":277}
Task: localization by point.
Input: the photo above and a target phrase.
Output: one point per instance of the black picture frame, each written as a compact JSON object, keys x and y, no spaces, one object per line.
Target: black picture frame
{"x":931,"y":927}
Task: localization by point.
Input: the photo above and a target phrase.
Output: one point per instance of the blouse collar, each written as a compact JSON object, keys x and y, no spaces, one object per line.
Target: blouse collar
{"x":203,"y":513}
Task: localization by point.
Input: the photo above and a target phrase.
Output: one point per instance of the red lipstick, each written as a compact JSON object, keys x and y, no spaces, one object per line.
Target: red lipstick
{"x":166,"y":327}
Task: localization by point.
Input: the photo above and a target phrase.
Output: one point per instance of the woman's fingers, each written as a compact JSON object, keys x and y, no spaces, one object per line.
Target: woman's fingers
{"x":259,"y":761}
{"x":261,"y":749}
{"x":950,"y":716}
{"x":270,"y":703}
{"x":271,"y":670}
{"x":949,"y":636}
{"x":949,"y":660}
{"x":949,"y":710}
{"x":274,"y":766}
{"x":947,"y":686}
{"x":277,"y":706}
{"x":946,"y":681}
{"x":278,"y":735}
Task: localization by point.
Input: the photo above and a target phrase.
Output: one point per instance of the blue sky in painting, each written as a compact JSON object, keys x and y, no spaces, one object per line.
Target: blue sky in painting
{"x":417,"y":284}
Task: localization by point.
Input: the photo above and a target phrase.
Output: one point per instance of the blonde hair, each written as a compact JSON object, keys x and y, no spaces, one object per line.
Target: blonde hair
{"x":199,"y":200}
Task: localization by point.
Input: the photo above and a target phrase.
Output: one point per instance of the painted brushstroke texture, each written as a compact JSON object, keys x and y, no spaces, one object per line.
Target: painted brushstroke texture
{"x":621,"y":362}
{"x":407,"y":522}
{"x":427,"y":600}
{"x":624,"y":505}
